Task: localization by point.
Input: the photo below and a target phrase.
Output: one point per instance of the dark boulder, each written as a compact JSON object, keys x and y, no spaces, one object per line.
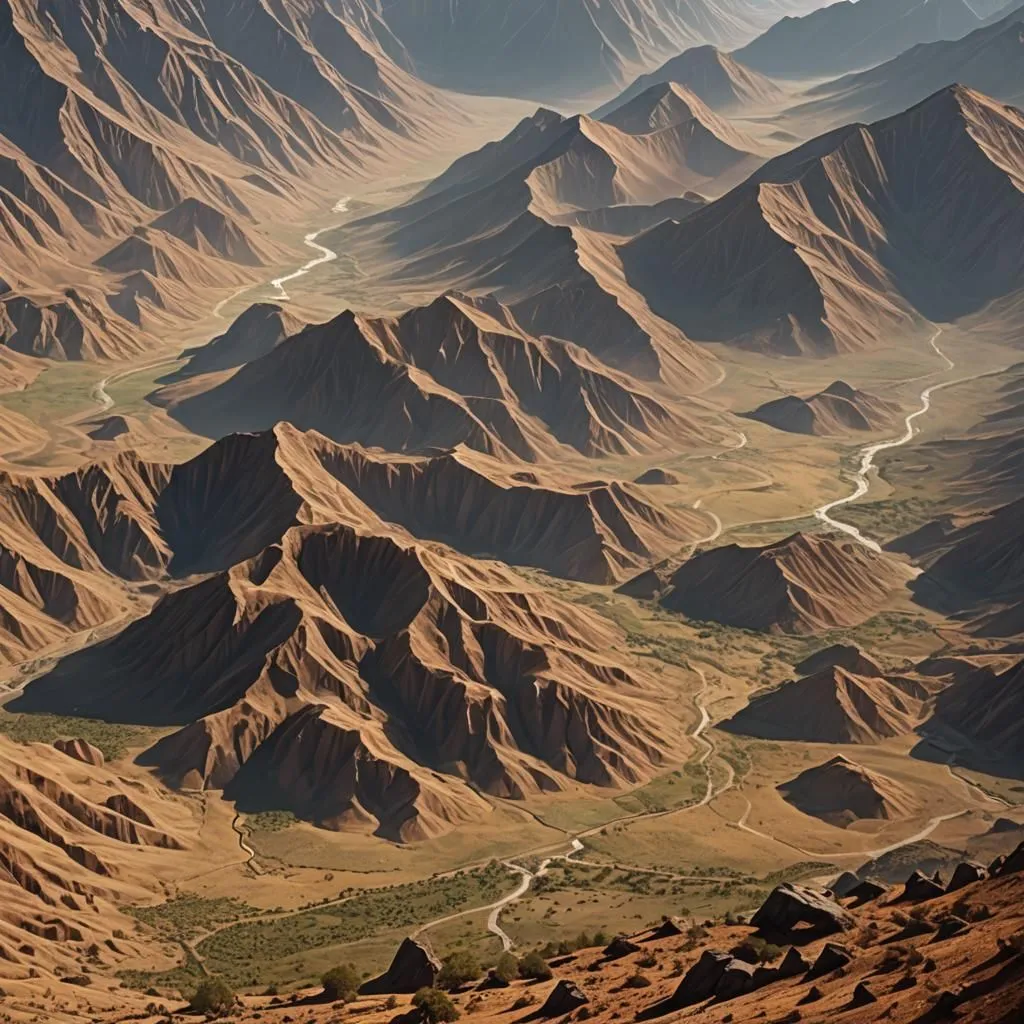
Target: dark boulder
{"x":701,"y":981}
{"x":867,"y":891}
{"x":863,"y":996}
{"x":790,"y":907}
{"x":414,"y":967}
{"x":1013,"y":863}
{"x":766,"y":976}
{"x":670,"y":928}
{"x":812,"y":995}
{"x":565,"y":997}
{"x":831,"y":958}
{"x":950,"y":926}
{"x":920,"y":887}
{"x":844,"y":885}
{"x":619,"y":947}
{"x":737,"y":980}
{"x":966,"y":873}
{"x":493,"y":980}
{"x":793,"y":964}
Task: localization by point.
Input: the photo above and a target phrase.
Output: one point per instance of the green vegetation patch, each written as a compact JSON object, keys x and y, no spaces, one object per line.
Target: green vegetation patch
{"x":112,"y":739}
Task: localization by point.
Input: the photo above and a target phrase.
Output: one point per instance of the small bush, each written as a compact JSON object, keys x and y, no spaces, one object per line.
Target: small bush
{"x":457,"y":970}
{"x":213,"y":996}
{"x":391,"y":1003}
{"x":435,"y":1006}
{"x":341,"y":983}
{"x":637,"y":980}
{"x":507,"y":967}
{"x":647,"y":960}
{"x":534,"y":967}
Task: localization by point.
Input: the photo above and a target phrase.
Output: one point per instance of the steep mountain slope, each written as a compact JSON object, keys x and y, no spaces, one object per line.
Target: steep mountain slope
{"x":457,"y":372}
{"x":536,"y":48}
{"x":803,"y":584}
{"x":838,"y":409}
{"x":832,"y":248}
{"x":986,"y":707}
{"x":989,"y":60}
{"x":74,"y":843}
{"x":848,"y":36}
{"x":116,"y":115}
{"x":360,"y":680}
{"x":978,"y":569}
{"x":74,"y":545}
{"x":842,"y":792}
{"x":716,"y":78}
{"x":832,"y":706}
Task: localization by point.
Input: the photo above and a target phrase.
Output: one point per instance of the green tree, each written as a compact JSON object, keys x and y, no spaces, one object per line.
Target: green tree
{"x":458,"y":969}
{"x":341,"y":983}
{"x":507,"y":967}
{"x":213,"y":996}
{"x":534,"y":967}
{"x":435,"y":1006}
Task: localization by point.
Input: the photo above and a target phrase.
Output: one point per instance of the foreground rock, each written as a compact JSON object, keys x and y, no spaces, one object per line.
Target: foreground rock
{"x":792,"y":906}
{"x":565,"y":997}
{"x":414,"y":967}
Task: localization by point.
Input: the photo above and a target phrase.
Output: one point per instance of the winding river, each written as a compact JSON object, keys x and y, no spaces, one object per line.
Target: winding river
{"x":868,"y":455}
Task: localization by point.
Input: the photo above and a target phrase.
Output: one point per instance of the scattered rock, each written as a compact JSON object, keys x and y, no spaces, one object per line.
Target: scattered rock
{"x":945,"y":1004}
{"x":619,"y":947}
{"x":863,"y":996}
{"x":867,"y":891}
{"x":907,"y":981}
{"x":565,"y":997}
{"x":414,"y":967}
{"x":670,"y":928}
{"x":844,"y":885}
{"x":920,"y":887}
{"x":813,"y":995}
{"x":82,"y":751}
{"x":701,"y":981}
{"x":915,"y":928}
{"x":790,"y":906}
{"x":831,"y":958}
{"x":1013,"y":863}
{"x":966,"y":872}
{"x":737,"y":980}
{"x":766,"y":976}
{"x":949,"y":927}
{"x":793,"y":964}
{"x":1003,"y":825}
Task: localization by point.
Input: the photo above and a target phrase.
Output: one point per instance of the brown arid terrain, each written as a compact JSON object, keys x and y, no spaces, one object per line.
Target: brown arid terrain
{"x":839,"y":409}
{"x":511,"y":502}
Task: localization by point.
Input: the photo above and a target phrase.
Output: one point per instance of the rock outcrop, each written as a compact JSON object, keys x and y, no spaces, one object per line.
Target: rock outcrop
{"x":413,"y":967}
{"x":790,"y":907}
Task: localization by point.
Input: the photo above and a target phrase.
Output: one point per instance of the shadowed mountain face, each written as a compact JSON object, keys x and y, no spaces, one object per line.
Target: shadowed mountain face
{"x":849,"y":36}
{"x":370,"y":678}
{"x":187,"y":121}
{"x":717,"y":78}
{"x":990,"y":60}
{"x":804,"y":584}
{"x":846,"y":242}
{"x":71,"y":542}
{"x":534,"y":48}
{"x":458,"y":372}
{"x":838,"y":409}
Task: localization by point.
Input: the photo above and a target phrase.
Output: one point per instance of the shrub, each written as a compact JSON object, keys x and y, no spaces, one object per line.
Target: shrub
{"x":213,"y":996}
{"x":341,"y":983}
{"x":391,"y":1003}
{"x":647,"y":960}
{"x":507,"y":967}
{"x":534,"y":967}
{"x":638,"y":980}
{"x":435,"y":1006}
{"x":756,"y":951}
{"x":457,"y":970}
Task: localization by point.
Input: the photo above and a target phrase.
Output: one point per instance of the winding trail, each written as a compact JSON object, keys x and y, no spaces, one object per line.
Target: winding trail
{"x":243,"y":844}
{"x":932,"y":825}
